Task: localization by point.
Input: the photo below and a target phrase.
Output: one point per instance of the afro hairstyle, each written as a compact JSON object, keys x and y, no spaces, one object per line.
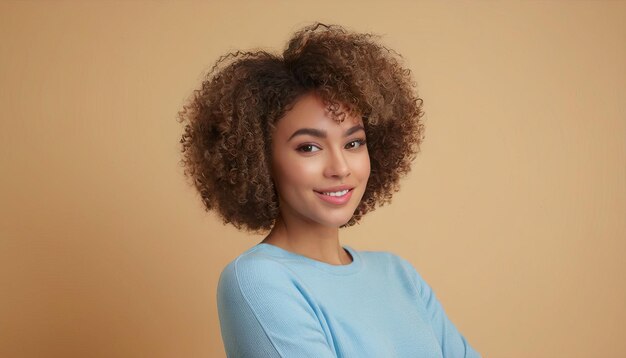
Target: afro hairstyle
{"x":229,"y":120}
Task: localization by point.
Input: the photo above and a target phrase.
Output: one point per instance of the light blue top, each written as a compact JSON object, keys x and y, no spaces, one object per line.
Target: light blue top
{"x":275,"y":303}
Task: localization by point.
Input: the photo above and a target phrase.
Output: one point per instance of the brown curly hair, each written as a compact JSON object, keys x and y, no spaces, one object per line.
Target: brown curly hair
{"x":230,"y":119}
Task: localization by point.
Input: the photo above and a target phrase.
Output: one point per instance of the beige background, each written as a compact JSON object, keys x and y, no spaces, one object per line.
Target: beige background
{"x":515,"y":210}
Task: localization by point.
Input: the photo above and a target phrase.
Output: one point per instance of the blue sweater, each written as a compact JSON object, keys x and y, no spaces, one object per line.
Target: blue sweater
{"x":275,"y":303}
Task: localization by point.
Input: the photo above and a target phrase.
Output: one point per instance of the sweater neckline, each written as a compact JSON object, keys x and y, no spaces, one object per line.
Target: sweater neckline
{"x":352,"y":267}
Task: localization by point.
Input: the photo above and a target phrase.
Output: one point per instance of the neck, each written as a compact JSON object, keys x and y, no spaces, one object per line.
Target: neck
{"x":319,"y":243}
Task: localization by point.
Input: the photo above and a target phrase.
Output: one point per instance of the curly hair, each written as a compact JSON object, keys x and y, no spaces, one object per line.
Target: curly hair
{"x":226,"y":144}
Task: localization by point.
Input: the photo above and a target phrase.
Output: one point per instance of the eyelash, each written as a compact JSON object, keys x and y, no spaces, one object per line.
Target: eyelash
{"x":361,"y":143}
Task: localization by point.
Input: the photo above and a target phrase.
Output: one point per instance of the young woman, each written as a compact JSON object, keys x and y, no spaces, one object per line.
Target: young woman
{"x":297,"y":146}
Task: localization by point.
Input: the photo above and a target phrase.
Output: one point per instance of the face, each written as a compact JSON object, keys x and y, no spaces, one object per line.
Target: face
{"x":320,"y":167}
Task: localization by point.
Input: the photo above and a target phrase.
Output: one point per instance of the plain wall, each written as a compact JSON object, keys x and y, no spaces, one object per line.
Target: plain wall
{"x":515,"y":211}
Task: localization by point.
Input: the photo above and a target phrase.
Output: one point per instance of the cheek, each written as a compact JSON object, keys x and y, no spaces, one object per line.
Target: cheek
{"x":363,"y":166}
{"x":293,"y":173}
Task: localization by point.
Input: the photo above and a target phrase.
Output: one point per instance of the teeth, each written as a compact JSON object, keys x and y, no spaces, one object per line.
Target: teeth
{"x":337,"y":193}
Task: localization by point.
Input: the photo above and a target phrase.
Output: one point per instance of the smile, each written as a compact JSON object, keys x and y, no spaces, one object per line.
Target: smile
{"x":336,"y":197}
{"x":337,"y":193}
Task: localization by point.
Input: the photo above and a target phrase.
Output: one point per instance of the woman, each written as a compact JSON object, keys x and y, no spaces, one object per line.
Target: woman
{"x":298,"y":146}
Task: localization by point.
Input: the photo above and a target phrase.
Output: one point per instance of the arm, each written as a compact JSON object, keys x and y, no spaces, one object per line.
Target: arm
{"x":452,"y":343}
{"x":264,"y":312}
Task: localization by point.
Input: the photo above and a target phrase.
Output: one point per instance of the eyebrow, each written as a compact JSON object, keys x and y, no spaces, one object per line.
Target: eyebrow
{"x":322,"y":134}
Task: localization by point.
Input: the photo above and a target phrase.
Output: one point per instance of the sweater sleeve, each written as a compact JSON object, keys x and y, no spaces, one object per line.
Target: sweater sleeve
{"x":264,"y":312}
{"x":452,"y":342}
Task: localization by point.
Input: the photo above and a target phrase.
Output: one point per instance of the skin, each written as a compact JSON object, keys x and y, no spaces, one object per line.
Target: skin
{"x":306,"y":163}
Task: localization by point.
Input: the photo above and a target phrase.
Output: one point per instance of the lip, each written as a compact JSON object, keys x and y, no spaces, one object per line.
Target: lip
{"x":336,"y":200}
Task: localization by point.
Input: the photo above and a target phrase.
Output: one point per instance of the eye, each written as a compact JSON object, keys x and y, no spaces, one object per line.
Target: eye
{"x":355,"y":144}
{"x":308,"y":148}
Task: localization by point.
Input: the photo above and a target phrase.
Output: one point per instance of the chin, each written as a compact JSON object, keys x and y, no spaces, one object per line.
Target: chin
{"x":336,"y":222}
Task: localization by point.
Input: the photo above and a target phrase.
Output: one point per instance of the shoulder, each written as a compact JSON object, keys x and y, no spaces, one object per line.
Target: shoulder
{"x":256,"y":277}
{"x":254,"y":270}
{"x":397,"y":266}
{"x":388,"y":259}
{"x":263,"y":287}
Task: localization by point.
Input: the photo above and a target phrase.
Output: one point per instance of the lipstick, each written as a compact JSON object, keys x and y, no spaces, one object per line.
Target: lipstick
{"x":335,"y":199}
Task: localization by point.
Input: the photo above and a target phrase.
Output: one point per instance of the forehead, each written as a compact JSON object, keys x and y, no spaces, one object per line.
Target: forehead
{"x":311,"y":112}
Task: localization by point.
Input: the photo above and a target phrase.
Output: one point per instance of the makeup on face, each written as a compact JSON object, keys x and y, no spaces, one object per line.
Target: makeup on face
{"x":320,"y":166}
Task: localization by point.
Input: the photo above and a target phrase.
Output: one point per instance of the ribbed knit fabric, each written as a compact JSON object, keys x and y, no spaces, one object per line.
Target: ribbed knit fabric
{"x":275,"y":303}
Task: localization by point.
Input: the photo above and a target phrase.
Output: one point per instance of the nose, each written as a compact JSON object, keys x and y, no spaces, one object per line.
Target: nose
{"x":337,"y":165}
